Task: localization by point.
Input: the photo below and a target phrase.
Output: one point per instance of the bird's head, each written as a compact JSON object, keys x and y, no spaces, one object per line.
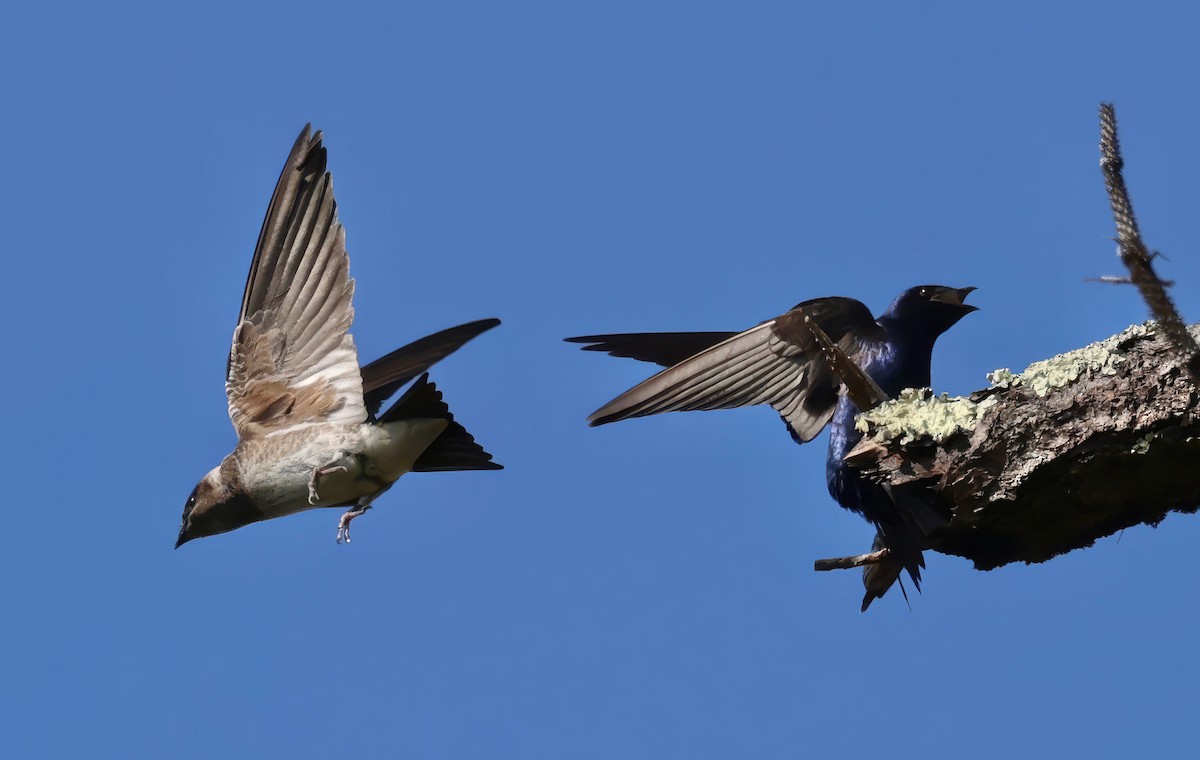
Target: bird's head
{"x":930,"y":308}
{"x":216,"y":505}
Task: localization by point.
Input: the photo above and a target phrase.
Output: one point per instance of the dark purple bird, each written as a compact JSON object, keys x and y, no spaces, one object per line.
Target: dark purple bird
{"x":779,"y":363}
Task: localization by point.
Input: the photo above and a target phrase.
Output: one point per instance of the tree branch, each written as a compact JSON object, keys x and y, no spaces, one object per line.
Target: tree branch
{"x":1075,"y":448}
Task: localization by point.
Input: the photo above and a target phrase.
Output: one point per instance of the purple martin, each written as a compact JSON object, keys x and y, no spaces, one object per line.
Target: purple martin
{"x":306,"y":415}
{"x":780,"y":363}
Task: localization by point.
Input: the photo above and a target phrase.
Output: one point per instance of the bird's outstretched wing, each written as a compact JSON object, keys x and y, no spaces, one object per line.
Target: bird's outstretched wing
{"x":664,"y":349}
{"x":777,"y":362}
{"x":385,"y":375}
{"x":293,"y":362}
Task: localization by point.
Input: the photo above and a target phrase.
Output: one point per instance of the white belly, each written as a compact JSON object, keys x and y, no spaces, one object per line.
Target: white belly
{"x":392,"y":448}
{"x":361,"y":461}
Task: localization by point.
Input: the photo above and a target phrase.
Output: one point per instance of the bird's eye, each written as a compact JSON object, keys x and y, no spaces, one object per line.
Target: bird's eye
{"x":924,"y":292}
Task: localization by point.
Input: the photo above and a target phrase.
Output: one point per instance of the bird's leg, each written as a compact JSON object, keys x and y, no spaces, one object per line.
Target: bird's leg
{"x":359,"y":508}
{"x":320,"y":472}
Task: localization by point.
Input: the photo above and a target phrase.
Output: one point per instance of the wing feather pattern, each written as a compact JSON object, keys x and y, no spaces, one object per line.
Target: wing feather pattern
{"x":293,"y":361}
{"x":776,"y":363}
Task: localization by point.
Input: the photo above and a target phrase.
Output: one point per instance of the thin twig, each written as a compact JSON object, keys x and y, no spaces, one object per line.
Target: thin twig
{"x":1116,"y":279}
{"x":1134,"y":254}
{"x":846,"y":563}
{"x":862,"y":390}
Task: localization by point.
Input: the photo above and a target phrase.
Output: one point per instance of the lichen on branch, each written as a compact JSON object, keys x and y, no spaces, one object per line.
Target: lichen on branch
{"x":1075,"y":447}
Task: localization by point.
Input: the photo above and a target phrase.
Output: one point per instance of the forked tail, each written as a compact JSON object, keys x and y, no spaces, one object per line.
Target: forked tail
{"x":455,"y":448}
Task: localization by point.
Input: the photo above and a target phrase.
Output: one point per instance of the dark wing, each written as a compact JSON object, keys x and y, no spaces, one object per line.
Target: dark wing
{"x":293,"y":362}
{"x":665,"y":349}
{"x":384,"y":376}
{"x":777,"y":362}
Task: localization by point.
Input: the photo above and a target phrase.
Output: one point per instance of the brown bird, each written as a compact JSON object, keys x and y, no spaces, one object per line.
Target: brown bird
{"x":306,"y":415}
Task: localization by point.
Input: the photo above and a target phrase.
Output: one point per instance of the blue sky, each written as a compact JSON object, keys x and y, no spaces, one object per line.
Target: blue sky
{"x":643,"y":590}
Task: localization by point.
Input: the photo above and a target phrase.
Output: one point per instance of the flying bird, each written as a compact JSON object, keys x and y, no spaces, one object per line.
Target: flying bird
{"x":310,"y":433}
{"x":781,"y":363}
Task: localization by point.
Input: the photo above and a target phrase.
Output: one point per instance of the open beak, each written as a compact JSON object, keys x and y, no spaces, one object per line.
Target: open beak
{"x":955,"y":297}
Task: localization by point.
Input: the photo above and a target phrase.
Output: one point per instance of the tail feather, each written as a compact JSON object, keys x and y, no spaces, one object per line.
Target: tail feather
{"x":455,"y":448}
{"x":879,"y":577}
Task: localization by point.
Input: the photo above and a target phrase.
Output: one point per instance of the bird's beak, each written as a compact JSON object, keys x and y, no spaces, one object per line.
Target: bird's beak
{"x":955,"y":297}
{"x":183,"y":537}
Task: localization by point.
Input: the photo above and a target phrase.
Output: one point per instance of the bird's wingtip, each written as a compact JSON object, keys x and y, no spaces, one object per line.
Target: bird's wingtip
{"x":596,"y":419}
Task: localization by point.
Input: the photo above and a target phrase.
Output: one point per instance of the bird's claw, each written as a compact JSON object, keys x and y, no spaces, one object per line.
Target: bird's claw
{"x":343,"y":533}
{"x":317,"y":474}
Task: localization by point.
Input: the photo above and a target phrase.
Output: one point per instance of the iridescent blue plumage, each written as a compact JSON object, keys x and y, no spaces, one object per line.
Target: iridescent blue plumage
{"x":898,"y":358}
{"x":782,"y":362}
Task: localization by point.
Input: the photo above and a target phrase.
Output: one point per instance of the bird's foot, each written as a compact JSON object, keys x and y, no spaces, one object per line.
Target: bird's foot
{"x":315,"y":479}
{"x":343,"y":534}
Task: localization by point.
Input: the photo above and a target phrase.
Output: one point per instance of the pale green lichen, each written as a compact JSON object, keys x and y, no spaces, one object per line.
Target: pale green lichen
{"x":1142,"y":445}
{"x":1101,"y":358}
{"x":918,"y":414}
{"x":1003,"y":378}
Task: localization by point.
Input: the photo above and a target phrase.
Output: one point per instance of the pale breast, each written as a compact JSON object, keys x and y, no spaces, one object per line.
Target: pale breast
{"x":394,"y":447}
{"x":362,"y":461}
{"x":275,"y":470}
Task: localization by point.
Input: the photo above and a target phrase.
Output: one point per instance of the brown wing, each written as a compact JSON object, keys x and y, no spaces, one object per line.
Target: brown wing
{"x":293,"y":362}
{"x":385,"y":375}
{"x":664,"y":349}
{"x":777,"y":363}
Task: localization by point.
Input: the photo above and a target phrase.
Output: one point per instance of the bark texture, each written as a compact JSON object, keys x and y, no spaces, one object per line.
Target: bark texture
{"x":1046,"y":467}
{"x":1075,"y":448}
